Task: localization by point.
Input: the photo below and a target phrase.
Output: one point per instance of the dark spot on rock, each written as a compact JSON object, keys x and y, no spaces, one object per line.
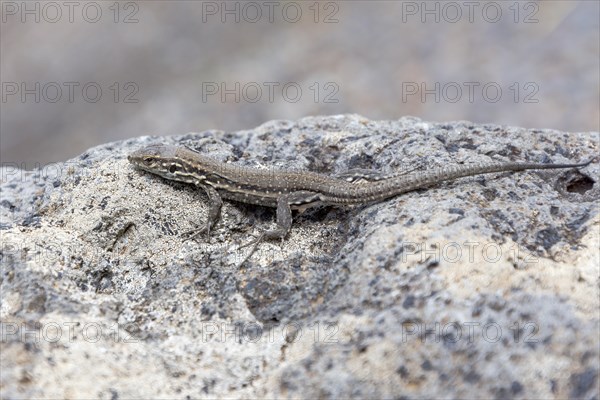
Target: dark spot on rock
{"x":7,"y":204}
{"x":497,"y":304}
{"x":32,"y":220}
{"x":548,"y":237}
{"x":580,"y":184}
{"x":547,"y":340}
{"x":558,"y":149}
{"x":489,"y":194}
{"x":408,"y":302}
{"x":514,"y":150}
{"x":583,"y":382}
{"x":577,"y":223}
{"x":103,"y":202}
{"x":329,"y":365}
{"x":456,"y":211}
{"x":554,"y":210}
{"x":207,"y":311}
{"x":208,"y":385}
{"x":586,"y":356}
{"x":504,"y":226}
{"x":433,"y":265}
{"x":56,"y":183}
{"x":472,"y":377}
{"x":426,"y":365}
{"x":308,"y":142}
{"x":360,"y":161}
{"x":468,"y":144}
{"x":513,"y":196}
{"x":402,"y":371}
{"x":452,"y":148}
{"x":37,"y":303}
{"x":102,"y":279}
{"x":441,"y":138}
{"x":531,"y":344}
{"x":373,"y":213}
{"x":516,"y":387}
{"x":451,"y":337}
{"x":237,"y":152}
{"x":509,"y":393}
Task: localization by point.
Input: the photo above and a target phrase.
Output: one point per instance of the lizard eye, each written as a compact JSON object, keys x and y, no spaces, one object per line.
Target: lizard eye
{"x":173,"y":168}
{"x":147,"y":160}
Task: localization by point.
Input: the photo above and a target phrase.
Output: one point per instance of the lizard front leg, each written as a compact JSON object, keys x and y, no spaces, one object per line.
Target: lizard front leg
{"x":214,"y":211}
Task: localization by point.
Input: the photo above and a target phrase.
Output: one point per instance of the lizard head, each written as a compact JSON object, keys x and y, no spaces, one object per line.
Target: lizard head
{"x":173,"y":162}
{"x":152,"y":157}
{"x":161,"y":160}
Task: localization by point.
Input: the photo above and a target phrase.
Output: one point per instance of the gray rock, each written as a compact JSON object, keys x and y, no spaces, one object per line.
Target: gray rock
{"x":485,"y":287}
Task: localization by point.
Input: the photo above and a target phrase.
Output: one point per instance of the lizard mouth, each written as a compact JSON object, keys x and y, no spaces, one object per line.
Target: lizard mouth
{"x":139,"y":159}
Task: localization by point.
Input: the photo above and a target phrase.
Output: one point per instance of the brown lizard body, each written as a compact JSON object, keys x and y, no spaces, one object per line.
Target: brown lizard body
{"x":287,"y":190}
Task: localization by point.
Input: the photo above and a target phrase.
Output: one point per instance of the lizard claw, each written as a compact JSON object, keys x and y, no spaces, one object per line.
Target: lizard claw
{"x":196,"y":232}
{"x":254,"y":243}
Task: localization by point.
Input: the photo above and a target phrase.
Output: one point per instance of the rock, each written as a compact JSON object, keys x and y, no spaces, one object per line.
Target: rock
{"x":482,"y":287}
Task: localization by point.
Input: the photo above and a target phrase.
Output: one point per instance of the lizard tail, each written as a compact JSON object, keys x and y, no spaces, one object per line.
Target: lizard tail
{"x":422,"y":179}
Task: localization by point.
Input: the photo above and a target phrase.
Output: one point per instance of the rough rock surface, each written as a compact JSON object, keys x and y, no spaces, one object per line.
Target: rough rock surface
{"x":485,"y":287}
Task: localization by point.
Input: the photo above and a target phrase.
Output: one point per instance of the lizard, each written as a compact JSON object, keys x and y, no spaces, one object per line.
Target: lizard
{"x":298,"y":190}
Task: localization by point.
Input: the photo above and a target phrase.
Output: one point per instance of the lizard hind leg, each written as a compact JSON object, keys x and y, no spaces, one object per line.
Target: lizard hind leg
{"x":284,"y":220}
{"x":284,"y":224}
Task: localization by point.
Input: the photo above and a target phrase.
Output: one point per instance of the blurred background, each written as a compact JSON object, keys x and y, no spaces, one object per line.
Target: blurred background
{"x":79,"y":74}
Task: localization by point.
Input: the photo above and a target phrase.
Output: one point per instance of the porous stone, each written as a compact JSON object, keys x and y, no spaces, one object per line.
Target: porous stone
{"x":484,"y":287}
